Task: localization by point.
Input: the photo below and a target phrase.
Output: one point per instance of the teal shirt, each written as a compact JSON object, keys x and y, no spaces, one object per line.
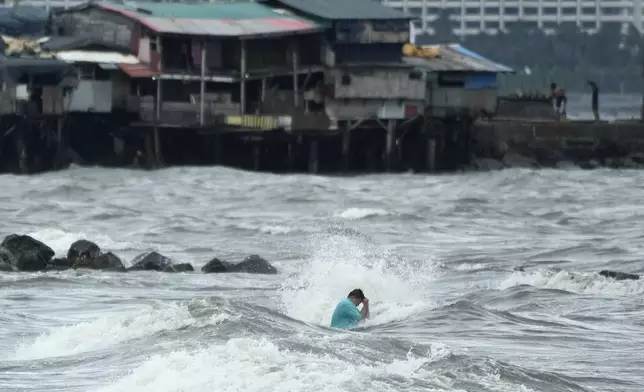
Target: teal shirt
{"x":345,"y":315}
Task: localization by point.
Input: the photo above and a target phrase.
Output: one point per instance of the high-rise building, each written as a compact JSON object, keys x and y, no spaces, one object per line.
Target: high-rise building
{"x":470,"y":17}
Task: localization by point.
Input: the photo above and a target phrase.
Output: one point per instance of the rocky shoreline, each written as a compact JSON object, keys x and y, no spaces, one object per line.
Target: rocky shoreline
{"x":552,"y":160}
{"x":22,"y":253}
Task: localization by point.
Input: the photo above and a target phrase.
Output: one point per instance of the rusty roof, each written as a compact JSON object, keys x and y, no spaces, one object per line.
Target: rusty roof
{"x":238,"y":19}
{"x":454,"y":57}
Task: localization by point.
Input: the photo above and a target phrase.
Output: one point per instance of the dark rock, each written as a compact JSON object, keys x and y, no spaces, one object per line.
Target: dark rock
{"x":215,"y":265}
{"x":486,"y":164}
{"x":181,"y":267}
{"x":515,"y":160}
{"x":81,"y":254}
{"x":151,"y":261}
{"x":109,"y":262}
{"x":254,"y":265}
{"x":619,"y":275}
{"x":566,"y":165}
{"x":519,"y":269}
{"x":59,"y":264}
{"x":589,"y":165}
{"x":29,"y":254}
{"x":7,"y":261}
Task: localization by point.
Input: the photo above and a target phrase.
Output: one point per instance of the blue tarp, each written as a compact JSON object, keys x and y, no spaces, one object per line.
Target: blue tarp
{"x":24,"y":20}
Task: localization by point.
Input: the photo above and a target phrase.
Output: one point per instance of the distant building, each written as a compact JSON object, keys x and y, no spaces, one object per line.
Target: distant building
{"x":471,"y":17}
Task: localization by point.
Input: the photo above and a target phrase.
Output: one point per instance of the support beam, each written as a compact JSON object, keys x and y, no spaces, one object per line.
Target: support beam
{"x":257,"y":155}
{"x":431,"y":155}
{"x":202,"y":104}
{"x":290,"y":158}
{"x":346,"y":147}
{"x":157,"y":147}
{"x":159,"y":88}
{"x":242,"y":81}
{"x":217,"y":147}
{"x":313,"y":157}
{"x":263,"y":91}
{"x":295,"y":55}
{"x":391,"y":145}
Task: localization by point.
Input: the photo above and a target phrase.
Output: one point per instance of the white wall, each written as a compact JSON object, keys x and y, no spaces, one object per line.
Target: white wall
{"x":91,"y":95}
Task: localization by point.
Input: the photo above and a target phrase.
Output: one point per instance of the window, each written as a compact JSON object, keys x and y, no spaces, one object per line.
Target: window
{"x":511,"y":11}
{"x":530,"y":11}
{"x":550,"y":11}
{"x":491,"y":10}
{"x":611,"y":11}
{"x":492,"y":25}
{"x":472,"y":24}
{"x":588,"y":10}
{"x":569,"y":11}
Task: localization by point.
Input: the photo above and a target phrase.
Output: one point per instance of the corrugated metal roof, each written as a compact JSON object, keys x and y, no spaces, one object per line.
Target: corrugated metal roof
{"x":454,"y":57}
{"x":138,"y":70}
{"x":82,"y":56}
{"x":345,"y":9}
{"x":223,"y":19}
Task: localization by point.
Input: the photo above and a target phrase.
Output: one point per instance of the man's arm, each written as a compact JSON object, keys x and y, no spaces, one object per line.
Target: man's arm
{"x":364,"y":313}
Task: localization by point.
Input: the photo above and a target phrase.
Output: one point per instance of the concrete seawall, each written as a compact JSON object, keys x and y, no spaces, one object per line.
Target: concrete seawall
{"x":503,"y":143}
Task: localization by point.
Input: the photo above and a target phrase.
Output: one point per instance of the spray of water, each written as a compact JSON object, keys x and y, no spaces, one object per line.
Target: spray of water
{"x":397,"y":288}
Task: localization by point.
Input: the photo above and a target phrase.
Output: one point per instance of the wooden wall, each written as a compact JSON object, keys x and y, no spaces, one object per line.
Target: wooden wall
{"x":369,"y":83}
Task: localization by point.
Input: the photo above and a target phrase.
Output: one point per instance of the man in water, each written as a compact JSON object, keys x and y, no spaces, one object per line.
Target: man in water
{"x":346,"y":313}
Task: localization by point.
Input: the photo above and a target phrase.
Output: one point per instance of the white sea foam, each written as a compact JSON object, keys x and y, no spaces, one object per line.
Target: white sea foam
{"x":258,"y":365}
{"x":580,"y":283}
{"x":60,"y":240}
{"x":339,"y":264}
{"x":355,"y":213}
{"x":111,"y":329}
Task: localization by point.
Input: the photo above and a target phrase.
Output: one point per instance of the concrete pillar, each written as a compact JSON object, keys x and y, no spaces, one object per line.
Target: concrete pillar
{"x":290,"y":158}
{"x":391,"y":144}
{"x":217,"y":147}
{"x":346,"y":148}
{"x":431,"y":155}
{"x":313,"y":157}
{"x":256,"y":156}
{"x":157,"y":147}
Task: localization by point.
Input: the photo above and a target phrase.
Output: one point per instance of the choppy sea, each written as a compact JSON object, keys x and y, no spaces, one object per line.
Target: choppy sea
{"x":435,"y":255}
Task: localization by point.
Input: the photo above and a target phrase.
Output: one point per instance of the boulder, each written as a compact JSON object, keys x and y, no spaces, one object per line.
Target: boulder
{"x":151,"y":261}
{"x":254,"y":265}
{"x":619,"y":275}
{"x":487,"y":164}
{"x":515,"y":160}
{"x":59,"y":264}
{"x":81,"y":254}
{"x":7,"y":261}
{"x":215,"y":265}
{"x":181,"y":267}
{"x":109,"y":262}
{"x":29,"y":254}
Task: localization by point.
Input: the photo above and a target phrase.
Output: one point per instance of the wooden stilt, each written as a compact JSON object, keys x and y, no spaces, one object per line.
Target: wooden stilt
{"x":346,"y":148}
{"x":390,"y":155}
{"x":256,"y":156}
{"x":313,"y":157}
{"x":157,"y":147}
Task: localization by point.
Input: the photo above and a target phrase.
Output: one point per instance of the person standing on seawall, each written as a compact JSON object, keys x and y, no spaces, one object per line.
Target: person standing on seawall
{"x":346,"y":313}
{"x":558,"y":96}
{"x":595,"y":99}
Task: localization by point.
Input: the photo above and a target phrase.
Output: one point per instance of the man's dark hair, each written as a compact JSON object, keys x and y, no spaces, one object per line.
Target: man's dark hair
{"x":356,"y":293}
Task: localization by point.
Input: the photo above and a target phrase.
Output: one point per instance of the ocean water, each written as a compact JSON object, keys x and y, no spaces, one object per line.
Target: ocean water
{"x":435,"y":255}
